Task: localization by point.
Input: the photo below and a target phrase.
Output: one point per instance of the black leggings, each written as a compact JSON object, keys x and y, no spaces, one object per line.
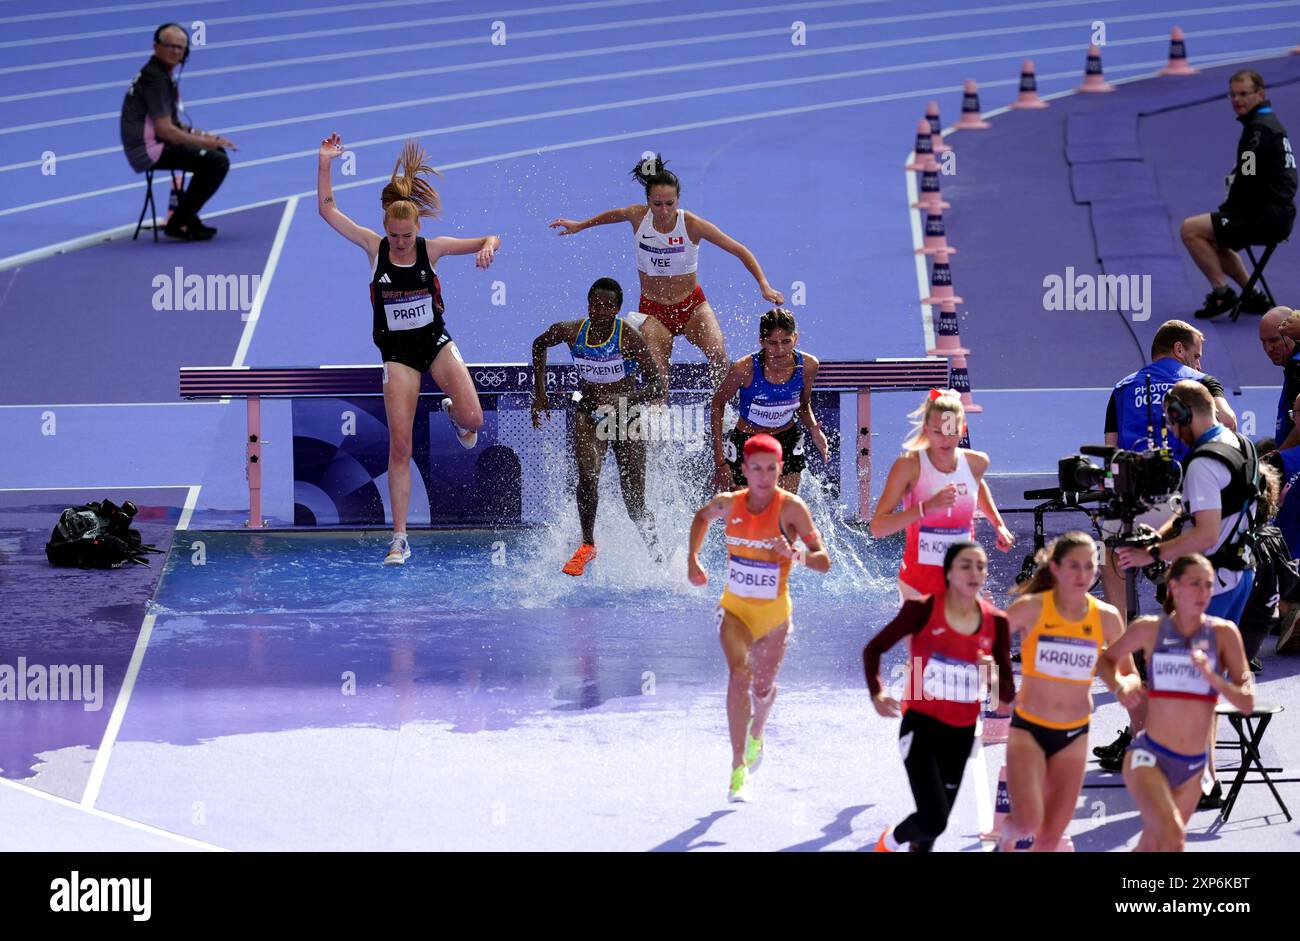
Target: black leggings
{"x":935,"y":760}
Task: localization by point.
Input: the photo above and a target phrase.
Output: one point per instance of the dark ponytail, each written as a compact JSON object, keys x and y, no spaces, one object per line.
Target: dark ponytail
{"x":652,"y":171}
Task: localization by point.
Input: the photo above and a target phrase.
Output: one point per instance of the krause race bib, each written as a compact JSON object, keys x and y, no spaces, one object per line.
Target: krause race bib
{"x":773,"y":414}
{"x":409,"y":313}
{"x":1066,"y":658}
{"x":600,"y":370}
{"x":1172,"y":671}
{"x":933,"y":541}
{"x":750,"y":578}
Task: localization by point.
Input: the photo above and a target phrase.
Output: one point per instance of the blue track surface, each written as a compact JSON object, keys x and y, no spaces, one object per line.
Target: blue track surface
{"x":794,"y":149}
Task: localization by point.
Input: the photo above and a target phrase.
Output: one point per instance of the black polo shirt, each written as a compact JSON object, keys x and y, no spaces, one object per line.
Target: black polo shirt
{"x":1269,"y":192}
{"x":153,"y":95}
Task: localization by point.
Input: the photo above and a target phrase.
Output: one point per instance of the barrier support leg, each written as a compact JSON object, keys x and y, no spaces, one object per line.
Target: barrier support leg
{"x":253,"y":466}
{"x":864,"y":455}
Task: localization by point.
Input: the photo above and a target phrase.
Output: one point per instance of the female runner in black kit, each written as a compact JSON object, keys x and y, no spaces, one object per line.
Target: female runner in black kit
{"x":406,"y":303}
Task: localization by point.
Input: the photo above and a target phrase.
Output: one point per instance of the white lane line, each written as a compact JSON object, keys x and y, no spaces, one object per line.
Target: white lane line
{"x":922,"y":279}
{"x":92,"y":11}
{"x":264,"y":285}
{"x":105,"y":752}
{"x":485,"y":38}
{"x":208,"y":20}
{"x":610,"y":76}
{"x":107,"y":234}
{"x":110,"y":487}
{"x":114,"y":818}
{"x":983,"y":797}
{"x":107,"y":404}
{"x":389,"y":77}
{"x":585,"y":109}
{"x":191,"y":500}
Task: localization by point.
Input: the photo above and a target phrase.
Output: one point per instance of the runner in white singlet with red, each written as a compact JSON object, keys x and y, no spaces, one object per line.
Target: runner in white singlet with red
{"x":940,"y":487}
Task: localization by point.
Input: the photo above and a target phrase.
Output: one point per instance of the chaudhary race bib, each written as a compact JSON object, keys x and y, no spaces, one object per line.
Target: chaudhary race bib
{"x":773,"y":414}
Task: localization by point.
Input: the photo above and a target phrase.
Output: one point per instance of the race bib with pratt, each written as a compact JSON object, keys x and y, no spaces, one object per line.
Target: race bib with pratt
{"x":751,"y":578}
{"x":408,"y":312}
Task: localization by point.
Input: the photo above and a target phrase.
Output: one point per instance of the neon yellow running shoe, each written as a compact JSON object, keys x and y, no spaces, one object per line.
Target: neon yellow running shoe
{"x":753,"y":752}
{"x":739,"y":792}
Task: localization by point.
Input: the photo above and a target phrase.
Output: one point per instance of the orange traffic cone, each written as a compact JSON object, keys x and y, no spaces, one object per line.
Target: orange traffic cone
{"x":923,"y":156}
{"x":936,"y":237}
{"x":970,"y":109}
{"x":930,"y":200}
{"x":1028,"y":88}
{"x":1092,"y":79}
{"x":960,"y":380}
{"x":936,"y":127}
{"x":1178,"y":64}
{"x":941,"y":282}
{"x":947,"y":335}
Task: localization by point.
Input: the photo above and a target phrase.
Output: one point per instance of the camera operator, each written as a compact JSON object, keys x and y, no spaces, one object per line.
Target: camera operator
{"x":1220,"y":490}
{"x":1176,"y":351}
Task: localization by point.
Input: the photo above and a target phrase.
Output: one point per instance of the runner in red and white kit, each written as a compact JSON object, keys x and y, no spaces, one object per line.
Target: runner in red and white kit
{"x":954,"y":637}
{"x":940,"y":487}
{"x":667,"y":250}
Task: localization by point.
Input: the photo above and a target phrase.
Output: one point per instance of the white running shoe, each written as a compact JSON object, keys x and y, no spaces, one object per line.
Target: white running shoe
{"x":399,"y":550}
{"x":467,"y":439}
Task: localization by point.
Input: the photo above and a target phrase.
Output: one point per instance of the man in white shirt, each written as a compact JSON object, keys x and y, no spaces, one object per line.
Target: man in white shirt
{"x":1220,"y":478}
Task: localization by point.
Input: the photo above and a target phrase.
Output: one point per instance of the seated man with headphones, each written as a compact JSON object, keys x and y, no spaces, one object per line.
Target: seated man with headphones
{"x":155,"y":134}
{"x":1220,"y":492}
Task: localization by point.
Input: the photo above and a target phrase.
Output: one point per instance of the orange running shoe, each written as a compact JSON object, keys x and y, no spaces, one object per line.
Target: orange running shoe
{"x":880,"y":843}
{"x":575,"y":566}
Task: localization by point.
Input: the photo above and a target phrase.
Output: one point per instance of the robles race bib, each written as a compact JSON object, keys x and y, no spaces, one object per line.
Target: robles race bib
{"x":751,"y":578}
